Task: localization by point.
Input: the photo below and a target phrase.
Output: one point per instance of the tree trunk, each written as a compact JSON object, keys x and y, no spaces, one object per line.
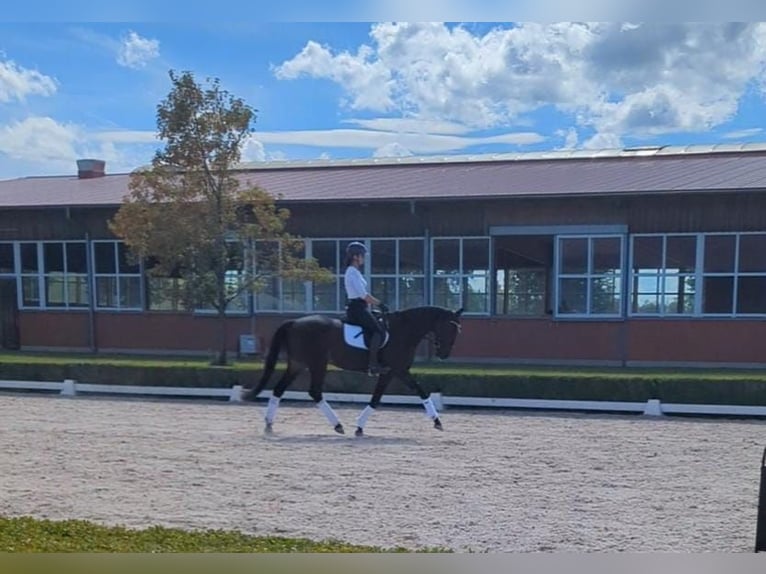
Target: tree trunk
{"x":221,"y":359}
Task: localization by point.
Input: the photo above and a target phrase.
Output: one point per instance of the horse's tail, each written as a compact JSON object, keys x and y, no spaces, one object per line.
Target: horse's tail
{"x":277,"y":342}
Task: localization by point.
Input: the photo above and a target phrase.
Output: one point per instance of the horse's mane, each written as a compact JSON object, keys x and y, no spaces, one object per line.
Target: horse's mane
{"x":422,"y":314}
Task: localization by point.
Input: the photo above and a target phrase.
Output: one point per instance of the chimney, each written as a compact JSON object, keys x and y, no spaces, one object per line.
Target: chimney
{"x":90,"y":168}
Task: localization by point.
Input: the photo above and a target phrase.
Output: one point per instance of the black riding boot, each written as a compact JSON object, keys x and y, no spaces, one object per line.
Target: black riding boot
{"x":376,"y":339}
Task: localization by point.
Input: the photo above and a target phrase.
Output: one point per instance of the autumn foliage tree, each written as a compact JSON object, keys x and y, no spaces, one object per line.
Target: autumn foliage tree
{"x":193,"y":215}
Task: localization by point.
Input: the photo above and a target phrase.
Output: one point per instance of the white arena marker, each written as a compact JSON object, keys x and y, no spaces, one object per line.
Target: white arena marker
{"x":236,"y":394}
{"x":68,"y":389}
{"x":653,"y":408}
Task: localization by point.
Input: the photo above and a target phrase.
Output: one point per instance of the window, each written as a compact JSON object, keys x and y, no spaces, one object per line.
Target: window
{"x":117,"y":279}
{"x":461,"y":273}
{"x":236,"y":289}
{"x":397,"y":272}
{"x":7,"y":259}
{"x":274,"y":293}
{"x":663,"y":274}
{"x":54,"y":275}
{"x":589,"y":276}
{"x":734,"y":274}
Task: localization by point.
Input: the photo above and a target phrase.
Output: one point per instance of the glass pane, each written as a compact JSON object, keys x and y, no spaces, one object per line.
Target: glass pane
{"x":475,"y":255}
{"x":720,"y":253}
{"x":106,"y":292}
{"x":383,"y":258}
{"x":77,"y":290}
{"x":411,"y":256}
{"x":53,"y":256}
{"x":165,"y":294}
{"x":7,"y":259}
{"x":130,"y":292}
{"x":607,"y":254}
{"x":293,"y":295}
{"x":76,"y":260}
{"x":267,"y":295}
{"x":266,"y":257}
{"x":573,"y":254}
{"x":572,"y":296}
{"x":681,"y":254}
{"x":718,"y":295}
{"x":30,"y":288}
{"x":447,"y":292}
{"x":647,"y":253}
{"x":752,"y":253}
{"x":646,"y":303}
{"x":384,"y":288}
{"x":647,"y":283}
{"x":54,"y":292}
{"x":751,"y":295}
{"x":411,"y":292}
{"x":446,"y":256}
{"x":606,"y":295}
{"x":103,"y":254}
{"x":326,"y":296}
{"x":475,"y":293}
{"x":29,"y":258}
{"x":326,"y":254}
{"x":235,"y":255}
{"x":124,"y":259}
{"x":679,"y":294}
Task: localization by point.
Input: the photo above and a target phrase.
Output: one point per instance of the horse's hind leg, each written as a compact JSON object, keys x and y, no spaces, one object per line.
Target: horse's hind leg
{"x":287,"y":379}
{"x":318,"y":373}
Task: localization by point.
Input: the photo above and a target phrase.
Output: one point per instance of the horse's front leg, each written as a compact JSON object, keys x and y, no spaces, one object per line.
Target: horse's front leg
{"x":377,"y":394}
{"x":428,"y":403}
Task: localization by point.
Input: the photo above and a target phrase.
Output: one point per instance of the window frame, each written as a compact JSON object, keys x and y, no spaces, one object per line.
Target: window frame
{"x":588,"y":276}
{"x":462,"y":275}
{"x":41,"y":275}
{"x":700,"y":275}
{"x":117,"y":275}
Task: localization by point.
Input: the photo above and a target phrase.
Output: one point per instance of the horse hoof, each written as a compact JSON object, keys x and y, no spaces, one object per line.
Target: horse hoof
{"x":359,"y":431}
{"x":339,"y":429}
{"x":269,"y":429}
{"x":438,"y":425}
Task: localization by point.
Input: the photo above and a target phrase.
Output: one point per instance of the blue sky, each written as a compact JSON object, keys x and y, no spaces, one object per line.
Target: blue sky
{"x":388,"y":89}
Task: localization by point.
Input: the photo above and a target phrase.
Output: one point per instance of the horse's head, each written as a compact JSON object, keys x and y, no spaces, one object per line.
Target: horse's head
{"x":446,"y":331}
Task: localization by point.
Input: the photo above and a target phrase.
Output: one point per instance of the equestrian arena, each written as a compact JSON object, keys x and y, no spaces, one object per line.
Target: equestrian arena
{"x":498,"y":481}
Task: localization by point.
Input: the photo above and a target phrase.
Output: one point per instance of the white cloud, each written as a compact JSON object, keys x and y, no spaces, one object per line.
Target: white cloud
{"x":411,"y":125}
{"x":324,"y":155}
{"x":136,"y":51}
{"x":617,"y":79}
{"x":42,"y":145}
{"x":253,"y":150}
{"x":418,"y":143}
{"x":742,"y":134}
{"x":392,"y":150}
{"x":571,"y":138}
{"x":16,"y":83}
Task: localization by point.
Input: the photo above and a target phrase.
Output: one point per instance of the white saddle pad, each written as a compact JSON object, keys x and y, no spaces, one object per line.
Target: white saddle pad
{"x":354,"y":337}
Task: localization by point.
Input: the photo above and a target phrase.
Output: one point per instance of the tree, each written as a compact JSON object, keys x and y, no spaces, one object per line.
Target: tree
{"x":195,"y":218}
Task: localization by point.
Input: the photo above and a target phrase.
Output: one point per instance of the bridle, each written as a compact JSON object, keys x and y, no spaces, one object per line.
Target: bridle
{"x":431,"y":336}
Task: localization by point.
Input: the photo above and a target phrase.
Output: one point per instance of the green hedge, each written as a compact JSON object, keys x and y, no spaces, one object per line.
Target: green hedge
{"x":606,"y":385}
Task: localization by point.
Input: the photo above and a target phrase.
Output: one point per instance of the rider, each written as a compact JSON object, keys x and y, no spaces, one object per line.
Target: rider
{"x":359,"y":301}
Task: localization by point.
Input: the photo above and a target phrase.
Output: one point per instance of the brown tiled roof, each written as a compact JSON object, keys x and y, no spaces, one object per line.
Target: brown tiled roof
{"x":421,"y":179}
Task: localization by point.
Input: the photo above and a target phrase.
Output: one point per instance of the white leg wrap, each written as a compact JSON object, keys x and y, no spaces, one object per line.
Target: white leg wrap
{"x":271,"y":410}
{"x":428,"y":404}
{"x":328,"y":412}
{"x":365,"y":414}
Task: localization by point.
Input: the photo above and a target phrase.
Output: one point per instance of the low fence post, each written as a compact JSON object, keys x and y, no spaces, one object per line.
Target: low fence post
{"x":236,"y":394}
{"x":68,"y":389}
{"x":760,"y":526}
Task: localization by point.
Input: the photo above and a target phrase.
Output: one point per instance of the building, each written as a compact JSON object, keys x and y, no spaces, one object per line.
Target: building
{"x":642,"y":256}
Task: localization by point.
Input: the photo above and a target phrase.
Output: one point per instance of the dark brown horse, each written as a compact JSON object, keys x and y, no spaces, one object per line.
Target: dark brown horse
{"x":314,"y":341}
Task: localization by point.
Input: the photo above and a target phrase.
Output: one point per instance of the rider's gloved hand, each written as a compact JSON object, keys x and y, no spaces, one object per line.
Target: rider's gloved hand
{"x":383,"y":307}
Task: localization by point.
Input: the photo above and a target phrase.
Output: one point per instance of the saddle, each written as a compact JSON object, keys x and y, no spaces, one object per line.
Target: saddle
{"x":355,"y":336}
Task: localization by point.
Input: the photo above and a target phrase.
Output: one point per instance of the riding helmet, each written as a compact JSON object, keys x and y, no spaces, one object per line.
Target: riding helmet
{"x":356,"y":248}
